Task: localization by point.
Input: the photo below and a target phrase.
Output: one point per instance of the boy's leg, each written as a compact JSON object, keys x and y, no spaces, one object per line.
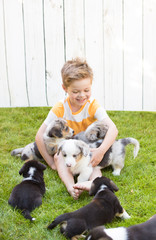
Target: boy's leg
{"x":87,"y":184}
{"x":66,"y":176}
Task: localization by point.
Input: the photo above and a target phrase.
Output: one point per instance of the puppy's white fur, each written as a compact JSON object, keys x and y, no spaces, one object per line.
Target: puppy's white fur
{"x":76,"y":155}
{"x":31,"y":173}
{"x":119,"y":233}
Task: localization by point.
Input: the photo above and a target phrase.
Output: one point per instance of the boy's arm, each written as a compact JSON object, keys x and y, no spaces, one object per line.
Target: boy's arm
{"x":41,"y":146}
{"x":98,"y":153}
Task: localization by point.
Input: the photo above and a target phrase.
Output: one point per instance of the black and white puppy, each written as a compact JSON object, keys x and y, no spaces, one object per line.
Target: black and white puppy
{"x":56,"y":131}
{"x":77,"y":156}
{"x":115,"y":155}
{"x":27,"y":195}
{"x":143,"y":231}
{"x":102,"y":209}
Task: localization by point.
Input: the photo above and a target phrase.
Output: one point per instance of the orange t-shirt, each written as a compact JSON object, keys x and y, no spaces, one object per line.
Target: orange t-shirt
{"x":80,"y":120}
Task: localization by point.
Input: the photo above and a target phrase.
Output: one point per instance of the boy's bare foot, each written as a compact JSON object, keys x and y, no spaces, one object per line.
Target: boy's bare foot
{"x":83,"y":186}
{"x":75,"y":193}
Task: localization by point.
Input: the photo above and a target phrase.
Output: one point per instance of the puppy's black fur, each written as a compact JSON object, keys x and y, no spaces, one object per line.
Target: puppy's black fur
{"x":143,"y":231}
{"x":102,"y":209}
{"x":27,"y":195}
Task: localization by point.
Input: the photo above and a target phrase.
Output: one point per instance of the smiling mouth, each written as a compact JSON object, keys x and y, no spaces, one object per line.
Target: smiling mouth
{"x":81,"y":100}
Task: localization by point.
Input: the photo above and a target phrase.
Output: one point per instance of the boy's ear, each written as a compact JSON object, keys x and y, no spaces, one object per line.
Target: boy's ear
{"x":64,"y":88}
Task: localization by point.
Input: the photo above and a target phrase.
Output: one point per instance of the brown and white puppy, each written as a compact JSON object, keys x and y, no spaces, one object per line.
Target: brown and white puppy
{"x":27,"y":195}
{"x":76,"y":155}
{"x":143,"y":231}
{"x":56,"y":131}
{"x":115,"y":155}
{"x":102,"y":209}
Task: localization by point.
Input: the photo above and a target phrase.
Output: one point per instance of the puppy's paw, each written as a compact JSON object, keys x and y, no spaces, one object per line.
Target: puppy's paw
{"x":116,"y":172}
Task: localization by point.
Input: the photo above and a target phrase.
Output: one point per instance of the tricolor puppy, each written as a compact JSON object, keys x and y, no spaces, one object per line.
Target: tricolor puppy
{"x":102,"y":209}
{"x":76,"y":155}
{"x":143,"y":231}
{"x":27,"y":195}
{"x":115,"y":155}
{"x":97,"y":130}
{"x":55,"y":132}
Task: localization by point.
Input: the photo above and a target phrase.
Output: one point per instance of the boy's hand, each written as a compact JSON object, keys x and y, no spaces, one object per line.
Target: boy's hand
{"x":97,"y":156}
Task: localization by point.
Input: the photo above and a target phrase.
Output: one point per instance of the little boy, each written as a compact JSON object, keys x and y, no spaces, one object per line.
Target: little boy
{"x":79,"y":110}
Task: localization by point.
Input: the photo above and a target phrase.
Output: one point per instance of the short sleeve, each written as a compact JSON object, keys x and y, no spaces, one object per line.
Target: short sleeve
{"x":51,"y":116}
{"x":56,"y":112}
{"x":101,"y":113}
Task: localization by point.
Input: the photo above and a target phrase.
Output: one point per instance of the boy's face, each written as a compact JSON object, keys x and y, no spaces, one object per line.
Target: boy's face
{"x":79,"y":92}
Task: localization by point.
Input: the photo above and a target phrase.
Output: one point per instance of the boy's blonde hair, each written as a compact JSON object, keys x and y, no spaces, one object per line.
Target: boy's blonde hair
{"x":75,"y":69}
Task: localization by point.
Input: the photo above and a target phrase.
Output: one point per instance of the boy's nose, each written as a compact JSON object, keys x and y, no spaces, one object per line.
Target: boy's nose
{"x":81,"y":94}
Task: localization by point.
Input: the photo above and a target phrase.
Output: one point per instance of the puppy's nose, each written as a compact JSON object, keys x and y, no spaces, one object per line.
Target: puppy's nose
{"x":68,"y":164}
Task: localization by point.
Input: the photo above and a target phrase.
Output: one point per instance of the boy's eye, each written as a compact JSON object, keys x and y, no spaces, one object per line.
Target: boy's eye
{"x":75,"y":92}
{"x":87,"y":90}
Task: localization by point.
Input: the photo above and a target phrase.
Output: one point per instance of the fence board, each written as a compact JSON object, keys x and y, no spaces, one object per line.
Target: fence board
{"x":55,"y":52}
{"x":15,"y":52}
{"x":113,"y":54}
{"x":116,"y":37}
{"x":132,"y":54}
{"x":4,"y":88}
{"x":74,"y":28}
{"x":149,"y":79}
{"x":35,"y":52}
{"x":94,"y":45}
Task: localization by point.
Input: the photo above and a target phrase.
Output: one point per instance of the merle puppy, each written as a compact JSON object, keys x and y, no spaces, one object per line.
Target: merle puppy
{"x":27,"y":195}
{"x":115,"y":155}
{"x":143,"y":231}
{"x":102,"y":209}
{"x":55,"y":132}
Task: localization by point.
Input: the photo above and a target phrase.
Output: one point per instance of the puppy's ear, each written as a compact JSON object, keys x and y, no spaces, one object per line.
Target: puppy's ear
{"x":40,"y":166}
{"x":84,"y":148}
{"x":23,"y":170}
{"x":60,"y":147}
{"x":115,"y":188}
{"x":54,"y":132}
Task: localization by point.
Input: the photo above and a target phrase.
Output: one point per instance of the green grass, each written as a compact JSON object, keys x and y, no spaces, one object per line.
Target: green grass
{"x":137,"y":187}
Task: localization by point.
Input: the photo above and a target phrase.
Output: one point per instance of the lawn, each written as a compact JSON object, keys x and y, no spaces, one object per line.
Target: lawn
{"x":137,"y":182}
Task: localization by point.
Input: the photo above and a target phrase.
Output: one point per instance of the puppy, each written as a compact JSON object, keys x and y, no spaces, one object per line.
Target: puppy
{"x":102,"y":209}
{"x":76,"y":155}
{"x":55,"y":132}
{"x":27,"y":195}
{"x":97,"y":130}
{"x":143,"y":231}
{"x":115,"y":155}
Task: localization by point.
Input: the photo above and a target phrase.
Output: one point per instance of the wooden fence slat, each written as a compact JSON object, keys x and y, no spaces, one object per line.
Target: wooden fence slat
{"x":113,"y":54}
{"x":15,"y":52}
{"x":149,"y":70}
{"x":74,"y":28}
{"x":132,"y":54}
{"x":35,"y":52}
{"x":4,"y":88}
{"x":94,"y":45}
{"x":55,"y":51}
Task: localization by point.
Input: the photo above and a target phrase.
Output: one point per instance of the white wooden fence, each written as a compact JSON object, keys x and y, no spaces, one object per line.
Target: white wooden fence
{"x":117,"y":37}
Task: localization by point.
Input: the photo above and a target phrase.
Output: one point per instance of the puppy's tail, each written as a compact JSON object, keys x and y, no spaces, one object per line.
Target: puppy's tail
{"x":17,"y":152}
{"x":26,"y":214}
{"x":60,"y":219}
{"x":126,"y":141}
